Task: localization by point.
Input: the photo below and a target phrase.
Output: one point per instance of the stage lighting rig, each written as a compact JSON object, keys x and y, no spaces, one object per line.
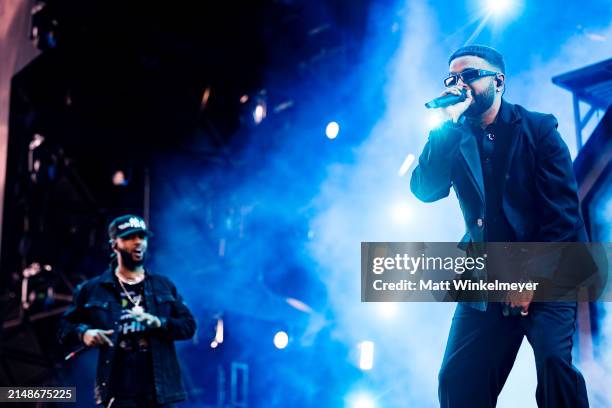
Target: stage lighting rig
{"x":44,"y":26}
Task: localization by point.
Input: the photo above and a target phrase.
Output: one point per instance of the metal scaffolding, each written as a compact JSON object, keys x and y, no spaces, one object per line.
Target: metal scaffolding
{"x":591,"y":85}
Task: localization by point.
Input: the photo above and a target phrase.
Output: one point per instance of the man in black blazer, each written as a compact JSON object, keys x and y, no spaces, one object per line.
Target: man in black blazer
{"x":512,"y":174}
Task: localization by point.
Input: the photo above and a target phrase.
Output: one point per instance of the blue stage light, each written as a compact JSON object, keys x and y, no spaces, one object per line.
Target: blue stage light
{"x":406,"y":165}
{"x":259,"y":113}
{"x":362,"y":400}
{"x":332,"y":130}
{"x":499,"y":7}
{"x":401,"y":212}
{"x":281,"y":339}
{"x":366,"y":357}
{"x":434,"y":119}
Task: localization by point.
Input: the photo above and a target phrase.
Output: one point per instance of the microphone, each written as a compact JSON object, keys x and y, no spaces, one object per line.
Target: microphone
{"x":76,"y":353}
{"x":446,"y":100}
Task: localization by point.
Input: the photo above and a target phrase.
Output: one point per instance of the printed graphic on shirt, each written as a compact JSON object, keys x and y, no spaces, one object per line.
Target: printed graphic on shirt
{"x":131,"y":332}
{"x":132,"y":371}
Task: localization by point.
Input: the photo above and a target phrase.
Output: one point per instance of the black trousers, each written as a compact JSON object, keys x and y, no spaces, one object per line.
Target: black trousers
{"x":482,"y":347}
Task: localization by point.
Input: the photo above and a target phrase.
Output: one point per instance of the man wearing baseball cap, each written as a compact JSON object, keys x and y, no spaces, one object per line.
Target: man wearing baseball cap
{"x":133,"y":317}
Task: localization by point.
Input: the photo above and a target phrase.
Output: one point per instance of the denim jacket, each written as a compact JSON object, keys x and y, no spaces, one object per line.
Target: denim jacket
{"x":96,"y":305}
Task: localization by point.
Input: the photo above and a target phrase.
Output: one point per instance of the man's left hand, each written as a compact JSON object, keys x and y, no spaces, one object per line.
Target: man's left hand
{"x":520,"y":299}
{"x":147,"y":318}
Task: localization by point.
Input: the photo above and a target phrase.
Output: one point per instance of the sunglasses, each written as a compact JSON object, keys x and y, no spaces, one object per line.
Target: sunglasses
{"x":467,"y":76}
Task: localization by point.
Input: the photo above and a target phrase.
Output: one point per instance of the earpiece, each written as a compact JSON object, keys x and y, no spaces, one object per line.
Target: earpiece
{"x":499,"y":83}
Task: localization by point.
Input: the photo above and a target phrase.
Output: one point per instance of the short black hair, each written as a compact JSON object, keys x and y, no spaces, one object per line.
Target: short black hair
{"x":489,"y":54}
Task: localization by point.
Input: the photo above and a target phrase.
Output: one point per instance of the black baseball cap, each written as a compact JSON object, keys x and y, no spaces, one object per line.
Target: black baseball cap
{"x":127,"y":224}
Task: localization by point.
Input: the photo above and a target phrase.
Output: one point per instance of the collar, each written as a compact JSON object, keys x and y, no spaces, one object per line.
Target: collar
{"x":505,"y":116}
{"x":108,"y":277}
{"x":127,"y":282}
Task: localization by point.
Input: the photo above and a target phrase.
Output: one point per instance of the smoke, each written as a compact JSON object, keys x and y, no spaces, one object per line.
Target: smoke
{"x":310,"y":203}
{"x":357,"y":202}
{"x":534,"y":89}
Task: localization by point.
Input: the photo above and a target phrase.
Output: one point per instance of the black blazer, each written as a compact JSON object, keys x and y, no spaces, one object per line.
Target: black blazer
{"x":540,"y":197}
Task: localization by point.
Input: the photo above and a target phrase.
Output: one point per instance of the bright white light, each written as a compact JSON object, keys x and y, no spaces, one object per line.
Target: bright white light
{"x":499,"y":7}
{"x":387,"y":309}
{"x":214,"y":344}
{"x":366,"y":355}
{"x":332,"y":129}
{"x":401,"y":213}
{"x":219,"y":331}
{"x":362,"y":401}
{"x":281,"y":339}
{"x":259,"y":113}
{"x":406,"y":165}
{"x":434,"y":119}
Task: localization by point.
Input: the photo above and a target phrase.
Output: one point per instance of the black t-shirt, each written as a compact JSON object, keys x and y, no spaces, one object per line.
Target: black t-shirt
{"x":132,"y":372}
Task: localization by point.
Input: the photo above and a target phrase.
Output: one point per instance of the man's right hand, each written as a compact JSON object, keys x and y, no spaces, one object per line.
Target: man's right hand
{"x":97,"y":337}
{"x":455,"y":111}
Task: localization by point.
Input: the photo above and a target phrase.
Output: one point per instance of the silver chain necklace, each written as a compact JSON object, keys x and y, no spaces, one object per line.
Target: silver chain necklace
{"x":135,"y":301}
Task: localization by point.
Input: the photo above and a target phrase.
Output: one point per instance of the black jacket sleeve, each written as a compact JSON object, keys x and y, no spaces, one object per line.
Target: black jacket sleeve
{"x":72,"y":324}
{"x":559,"y":208}
{"x":431,"y":179}
{"x":558,"y":205}
{"x":180,"y":325}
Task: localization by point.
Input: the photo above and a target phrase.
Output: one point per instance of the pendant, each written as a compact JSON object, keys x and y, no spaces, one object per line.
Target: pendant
{"x":137,"y":309}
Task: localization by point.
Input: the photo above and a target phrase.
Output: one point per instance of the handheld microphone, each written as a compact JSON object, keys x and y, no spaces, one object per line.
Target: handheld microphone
{"x":75,"y":353}
{"x":446,"y":100}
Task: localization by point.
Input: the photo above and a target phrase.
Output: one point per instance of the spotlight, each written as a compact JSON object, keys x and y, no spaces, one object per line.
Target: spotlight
{"x":366,"y":355}
{"x":219,"y":331}
{"x":299,"y":305}
{"x":205,"y":98}
{"x":406,"y":165}
{"x":259,"y":113}
{"x":119,"y":178}
{"x":281,"y":339}
{"x":36,"y":141}
{"x":387,"y":310}
{"x":401,"y":213}
{"x":332,"y":130}
{"x":434,"y":120}
{"x":362,"y":400}
{"x":499,"y":7}
{"x":283,"y":106}
{"x":253,"y":108}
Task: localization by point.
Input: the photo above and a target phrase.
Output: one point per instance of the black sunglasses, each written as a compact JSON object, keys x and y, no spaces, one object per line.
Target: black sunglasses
{"x":467,"y":76}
